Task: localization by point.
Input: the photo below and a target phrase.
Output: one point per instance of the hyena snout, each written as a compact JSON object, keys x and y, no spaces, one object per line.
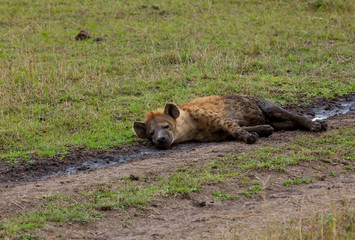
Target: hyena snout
{"x":163,"y":139}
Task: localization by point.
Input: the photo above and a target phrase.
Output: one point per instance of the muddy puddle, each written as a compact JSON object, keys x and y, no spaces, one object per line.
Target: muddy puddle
{"x":81,"y":160}
{"x":109,"y":159}
{"x":331,"y":109}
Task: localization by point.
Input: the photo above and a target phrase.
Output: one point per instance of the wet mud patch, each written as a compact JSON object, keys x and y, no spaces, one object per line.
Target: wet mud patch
{"x":81,"y":160}
{"x":325,"y":109}
{"x":331,"y":109}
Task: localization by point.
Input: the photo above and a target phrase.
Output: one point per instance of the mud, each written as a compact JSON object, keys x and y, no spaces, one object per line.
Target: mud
{"x":332,"y":109}
{"x":99,"y":39}
{"x":324,"y":108}
{"x":82,"y":35}
{"x":81,"y":160}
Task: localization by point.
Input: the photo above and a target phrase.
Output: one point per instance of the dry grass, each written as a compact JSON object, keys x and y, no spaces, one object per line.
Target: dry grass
{"x":305,"y":221}
{"x":332,"y":223}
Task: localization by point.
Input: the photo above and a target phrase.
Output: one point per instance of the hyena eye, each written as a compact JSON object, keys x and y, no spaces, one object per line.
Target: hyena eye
{"x":166,"y":126}
{"x":151,"y":134}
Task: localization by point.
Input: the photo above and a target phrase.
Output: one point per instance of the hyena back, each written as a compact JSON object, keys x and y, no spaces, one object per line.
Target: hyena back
{"x":216,"y":118}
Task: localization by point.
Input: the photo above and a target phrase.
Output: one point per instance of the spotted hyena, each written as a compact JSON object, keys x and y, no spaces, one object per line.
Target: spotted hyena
{"x":216,"y":118}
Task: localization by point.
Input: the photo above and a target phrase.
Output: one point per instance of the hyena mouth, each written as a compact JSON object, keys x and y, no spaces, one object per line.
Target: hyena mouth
{"x":163,"y":141}
{"x":163,"y":146}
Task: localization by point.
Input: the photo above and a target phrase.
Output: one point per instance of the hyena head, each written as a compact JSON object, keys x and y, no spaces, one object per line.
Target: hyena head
{"x":159,"y":126}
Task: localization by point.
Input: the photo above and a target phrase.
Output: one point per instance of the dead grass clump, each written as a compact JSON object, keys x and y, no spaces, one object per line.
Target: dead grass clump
{"x":332,"y":5}
{"x":323,"y":225}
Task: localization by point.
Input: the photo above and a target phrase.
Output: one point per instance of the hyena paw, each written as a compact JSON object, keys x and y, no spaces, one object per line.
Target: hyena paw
{"x":266,"y":131}
{"x":319,"y":126}
{"x":252,"y":138}
{"x":246,"y":137}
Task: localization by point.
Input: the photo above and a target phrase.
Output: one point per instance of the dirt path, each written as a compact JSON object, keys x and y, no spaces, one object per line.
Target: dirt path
{"x":201,"y":215}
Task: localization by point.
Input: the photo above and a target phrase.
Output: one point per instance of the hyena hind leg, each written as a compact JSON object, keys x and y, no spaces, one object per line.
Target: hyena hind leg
{"x":277,"y":115}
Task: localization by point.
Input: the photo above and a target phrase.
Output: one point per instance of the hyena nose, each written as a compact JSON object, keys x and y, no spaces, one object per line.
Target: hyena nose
{"x":161,"y":140}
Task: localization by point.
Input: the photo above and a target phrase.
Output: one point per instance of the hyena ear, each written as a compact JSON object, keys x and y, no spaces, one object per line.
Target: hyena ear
{"x":172,"y":110}
{"x":140,"y":129}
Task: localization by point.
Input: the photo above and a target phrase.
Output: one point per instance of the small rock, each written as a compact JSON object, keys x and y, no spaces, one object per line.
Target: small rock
{"x":83,"y":168}
{"x":352,"y":107}
{"x":133,"y":177}
{"x":199,"y":203}
{"x":99,"y":39}
{"x":41,"y":119}
{"x":155,"y":7}
{"x":202,"y":204}
{"x":104,"y":208}
{"x":82,"y":35}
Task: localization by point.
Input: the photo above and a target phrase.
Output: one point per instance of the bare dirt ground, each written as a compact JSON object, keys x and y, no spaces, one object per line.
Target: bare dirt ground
{"x":200,"y":215}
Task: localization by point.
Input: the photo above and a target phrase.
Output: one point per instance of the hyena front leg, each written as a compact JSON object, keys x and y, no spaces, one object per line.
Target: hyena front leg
{"x":226,"y":124}
{"x":236,"y":131}
{"x":245,"y":136}
{"x":261,"y":130}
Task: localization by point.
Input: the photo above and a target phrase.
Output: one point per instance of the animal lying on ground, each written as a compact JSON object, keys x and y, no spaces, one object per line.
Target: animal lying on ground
{"x":216,"y":118}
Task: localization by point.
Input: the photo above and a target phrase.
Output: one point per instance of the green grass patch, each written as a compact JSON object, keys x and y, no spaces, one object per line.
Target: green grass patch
{"x":58,"y":93}
{"x":31,"y":221}
{"x":296,"y":181}
{"x":249,"y":192}
{"x":224,"y":196}
{"x":328,"y":147}
{"x":29,"y":237}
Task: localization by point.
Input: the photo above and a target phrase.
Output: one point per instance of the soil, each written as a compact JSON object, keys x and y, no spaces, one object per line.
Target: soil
{"x":99,"y":39}
{"x":82,"y":35}
{"x":198,"y":216}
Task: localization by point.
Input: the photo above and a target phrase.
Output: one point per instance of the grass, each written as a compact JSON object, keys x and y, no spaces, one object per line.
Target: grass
{"x":334,"y":224}
{"x":327,"y":148}
{"x":90,"y":204}
{"x":296,"y":181}
{"x":252,"y":190}
{"x":31,"y":221}
{"x":57,"y":94}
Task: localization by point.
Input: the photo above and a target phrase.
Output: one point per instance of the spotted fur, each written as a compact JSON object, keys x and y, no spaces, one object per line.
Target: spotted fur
{"x":216,"y":118}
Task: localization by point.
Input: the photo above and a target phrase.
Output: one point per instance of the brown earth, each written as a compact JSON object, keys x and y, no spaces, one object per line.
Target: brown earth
{"x":200,"y":215}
